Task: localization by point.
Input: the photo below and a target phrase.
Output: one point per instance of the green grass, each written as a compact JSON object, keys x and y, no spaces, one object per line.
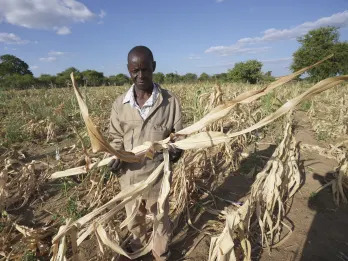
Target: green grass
{"x":14,"y":132}
{"x":29,"y":256}
{"x":66,"y":184}
{"x":21,"y":108}
{"x":267,"y":102}
{"x":73,"y":210}
{"x":323,"y":135}
{"x":306,"y":105}
{"x":313,"y":195}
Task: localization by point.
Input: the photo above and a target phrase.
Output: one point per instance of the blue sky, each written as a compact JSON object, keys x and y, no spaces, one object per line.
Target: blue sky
{"x":185,"y":35}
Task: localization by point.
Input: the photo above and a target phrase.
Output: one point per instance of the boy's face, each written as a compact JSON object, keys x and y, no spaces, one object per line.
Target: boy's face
{"x":141,"y":68}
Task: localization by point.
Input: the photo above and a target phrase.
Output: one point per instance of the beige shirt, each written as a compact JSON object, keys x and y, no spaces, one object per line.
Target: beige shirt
{"x":128,"y":130}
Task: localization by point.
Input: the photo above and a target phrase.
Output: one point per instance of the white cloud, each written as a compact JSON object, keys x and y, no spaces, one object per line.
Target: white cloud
{"x":48,"y":59}
{"x":33,"y":67}
{"x":10,"y":38}
{"x":63,"y":30}
{"x":52,"y":56}
{"x":55,"y":53}
{"x":102,"y":14}
{"x":235,"y":49}
{"x":194,"y":57}
{"x":44,"y":14}
{"x":272,"y":34}
{"x":219,"y":1}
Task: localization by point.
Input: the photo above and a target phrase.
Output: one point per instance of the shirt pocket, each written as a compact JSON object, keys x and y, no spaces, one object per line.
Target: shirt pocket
{"x":159,"y":132}
{"x":129,"y":128}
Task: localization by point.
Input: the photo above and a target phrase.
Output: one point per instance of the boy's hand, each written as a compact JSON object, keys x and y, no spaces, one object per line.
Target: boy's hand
{"x":114,"y":165}
{"x":174,"y":154}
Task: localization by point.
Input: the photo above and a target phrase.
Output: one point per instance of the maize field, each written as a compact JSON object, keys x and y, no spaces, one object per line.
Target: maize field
{"x":260,"y":164}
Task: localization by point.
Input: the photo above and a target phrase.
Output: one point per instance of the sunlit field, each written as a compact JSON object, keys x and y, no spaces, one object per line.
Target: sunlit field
{"x":41,"y":131}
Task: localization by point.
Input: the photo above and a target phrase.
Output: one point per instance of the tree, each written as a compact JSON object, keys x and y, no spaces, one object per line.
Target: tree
{"x":189,"y":77}
{"x":267,"y":77}
{"x":172,"y":78}
{"x":46,"y":80}
{"x":249,"y":71}
{"x":221,"y":77}
{"x":204,"y":77}
{"x":92,"y":78}
{"x":10,"y":65}
{"x":340,"y":51}
{"x":119,"y":79}
{"x":316,"y":45}
{"x":158,"y":77}
{"x":17,"y":81}
{"x":63,"y":78}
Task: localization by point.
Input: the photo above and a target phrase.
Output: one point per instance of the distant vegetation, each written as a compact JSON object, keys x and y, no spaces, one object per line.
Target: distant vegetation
{"x":315,"y":45}
{"x":16,"y":75}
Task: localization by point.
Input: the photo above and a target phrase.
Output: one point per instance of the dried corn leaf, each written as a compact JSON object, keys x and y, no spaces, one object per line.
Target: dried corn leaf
{"x":202,"y":140}
{"x":73,"y":171}
{"x":247,"y":97}
{"x":273,"y":186}
{"x":124,"y":196}
{"x":98,"y":142}
{"x":118,"y":249}
{"x":340,"y":184}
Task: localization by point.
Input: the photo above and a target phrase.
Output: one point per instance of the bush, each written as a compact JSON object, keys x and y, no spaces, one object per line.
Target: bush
{"x":119,"y":79}
{"x":247,"y":72}
{"x":17,"y":81}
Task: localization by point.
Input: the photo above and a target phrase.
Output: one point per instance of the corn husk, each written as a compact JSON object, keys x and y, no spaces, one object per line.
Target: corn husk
{"x":274,"y":185}
{"x":98,"y":142}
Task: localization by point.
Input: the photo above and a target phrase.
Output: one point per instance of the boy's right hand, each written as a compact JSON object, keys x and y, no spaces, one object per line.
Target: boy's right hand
{"x":114,"y":165}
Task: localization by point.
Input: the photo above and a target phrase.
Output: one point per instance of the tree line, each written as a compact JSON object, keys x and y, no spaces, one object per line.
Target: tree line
{"x":15,"y":74}
{"x":315,"y":45}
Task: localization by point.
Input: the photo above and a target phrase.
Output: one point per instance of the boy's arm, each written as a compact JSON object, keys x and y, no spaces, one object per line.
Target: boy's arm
{"x":115,"y":130}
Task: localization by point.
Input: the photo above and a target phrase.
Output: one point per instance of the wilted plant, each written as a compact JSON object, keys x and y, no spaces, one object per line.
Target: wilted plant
{"x":95,"y":221}
{"x":264,"y":208}
{"x":218,"y":129}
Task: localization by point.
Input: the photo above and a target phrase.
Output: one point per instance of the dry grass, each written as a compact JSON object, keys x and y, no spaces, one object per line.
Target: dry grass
{"x":198,"y":169}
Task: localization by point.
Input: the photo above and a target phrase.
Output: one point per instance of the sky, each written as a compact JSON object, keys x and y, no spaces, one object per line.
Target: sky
{"x":184,"y":35}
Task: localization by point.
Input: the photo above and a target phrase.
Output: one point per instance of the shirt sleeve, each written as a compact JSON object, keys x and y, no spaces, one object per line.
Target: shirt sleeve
{"x":115,"y":130}
{"x":177,"y":117}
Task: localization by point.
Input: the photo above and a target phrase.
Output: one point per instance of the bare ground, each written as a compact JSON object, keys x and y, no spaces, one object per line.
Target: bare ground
{"x":320,"y":228}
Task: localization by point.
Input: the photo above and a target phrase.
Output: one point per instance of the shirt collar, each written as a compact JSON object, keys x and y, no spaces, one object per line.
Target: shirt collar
{"x":129,"y":98}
